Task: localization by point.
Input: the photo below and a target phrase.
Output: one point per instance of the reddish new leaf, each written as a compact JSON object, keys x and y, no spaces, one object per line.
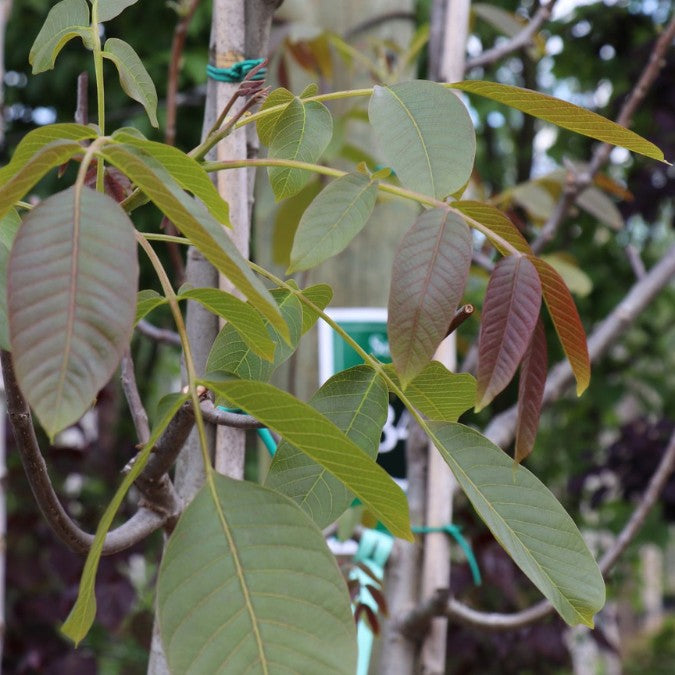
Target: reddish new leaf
{"x":567,"y":323}
{"x":428,"y":278}
{"x":531,"y":385}
{"x":510,"y":312}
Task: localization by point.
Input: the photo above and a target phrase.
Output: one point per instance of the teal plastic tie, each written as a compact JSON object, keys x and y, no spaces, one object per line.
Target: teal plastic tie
{"x":456,"y":532}
{"x":236,"y":72}
{"x":264,"y":434}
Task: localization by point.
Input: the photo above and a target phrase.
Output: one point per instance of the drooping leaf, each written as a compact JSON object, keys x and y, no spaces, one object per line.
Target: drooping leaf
{"x":428,"y":278}
{"x":195,"y":222}
{"x":599,"y":205}
{"x":187,"y":172}
{"x":239,"y":314}
{"x":134,"y":78}
{"x":505,"y":22}
{"x":109,"y":9}
{"x":82,"y":614}
{"x":425,"y":134}
{"x":146,"y":301}
{"x":562,"y":114}
{"x":356,"y":401}
{"x":301,"y":133}
{"x":287,"y":219}
{"x":9,"y":226}
{"x":438,"y":393}
{"x":332,"y":220}
{"x":72,"y":283}
{"x":497,"y":221}
{"x":527,"y":520}
{"x":318,"y":437}
{"x":510,"y":313}
{"x":265,"y":125}
{"x":247,"y":584}
{"x":320,"y":295}
{"x":66,"y":20}
{"x":232,"y":353}
{"x":531,"y":383}
{"x":566,"y":321}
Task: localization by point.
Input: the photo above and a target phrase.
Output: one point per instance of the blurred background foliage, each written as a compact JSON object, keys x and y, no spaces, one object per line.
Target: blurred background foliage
{"x":596,"y":453}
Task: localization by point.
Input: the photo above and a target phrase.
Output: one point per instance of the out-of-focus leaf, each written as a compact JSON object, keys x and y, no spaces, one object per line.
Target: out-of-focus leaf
{"x":109,"y":9}
{"x":72,"y":282}
{"x":574,"y":277}
{"x":247,"y":584}
{"x":599,"y":205}
{"x":356,"y":401}
{"x":535,"y":199}
{"x":332,"y":220}
{"x":567,"y":323}
{"x":428,"y":278}
{"x":510,"y":313}
{"x":9,"y":226}
{"x":562,"y":114}
{"x":533,"y":371}
{"x":429,"y":156}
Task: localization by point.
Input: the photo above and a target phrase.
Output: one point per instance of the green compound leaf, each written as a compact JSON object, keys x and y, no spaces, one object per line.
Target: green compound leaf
{"x":356,"y":401}
{"x":438,"y":393}
{"x":248,"y":585}
{"x":265,"y":125}
{"x":425,"y":134}
{"x":428,"y":278}
{"x":319,"y":438}
{"x":66,"y":20}
{"x":320,"y":295}
{"x":9,"y":225}
{"x":232,"y":352}
{"x":109,"y":9}
{"x":187,"y":172}
{"x":527,"y":520}
{"x":72,"y":282}
{"x":146,"y":301}
{"x":196,"y":223}
{"x":83,"y":613}
{"x":332,"y":220}
{"x":301,"y":133}
{"x":241,"y":315}
{"x":562,"y":114}
{"x":134,"y":78}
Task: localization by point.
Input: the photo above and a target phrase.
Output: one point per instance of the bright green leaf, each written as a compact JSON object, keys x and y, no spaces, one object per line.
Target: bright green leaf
{"x":146,"y":301}
{"x":82,"y":614}
{"x":425,"y":134}
{"x":134,"y":78}
{"x":66,"y":20}
{"x":109,"y":9}
{"x":318,"y":437}
{"x":332,"y":220}
{"x":526,"y":519}
{"x":239,"y":314}
{"x":562,"y":114}
{"x":265,"y":125}
{"x":356,"y":401}
{"x":248,"y":585}
{"x":72,"y":281}
{"x":320,"y":295}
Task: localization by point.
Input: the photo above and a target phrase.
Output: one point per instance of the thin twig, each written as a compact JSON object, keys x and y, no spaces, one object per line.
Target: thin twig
{"x":228,"y":419}
{"x":82,"y":108}
{"x":522,"y":39}
{"x":493,"y":621}
{"x":138,"y":412}
{"x":164,"y":335}
{"x":636,"y":262}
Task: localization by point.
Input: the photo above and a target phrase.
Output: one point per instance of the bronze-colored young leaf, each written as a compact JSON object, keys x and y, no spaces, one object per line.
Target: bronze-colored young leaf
{"x":425,"y":134}
{"x":66,"y":19}
{"x":510,"y":313}
{"x":72,"y":281}
{"x":134,"y":78}
{"x":567,"y":323}
{"x":531,"y":383}
{"x":562,"y":114}
{"x":428,"y":279}
{"x":497,"y":221}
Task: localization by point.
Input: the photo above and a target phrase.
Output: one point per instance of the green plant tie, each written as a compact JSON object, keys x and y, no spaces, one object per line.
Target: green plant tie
{"x":236,"y":72}
{"x":456,"y":532}
{"x":264,"y":434}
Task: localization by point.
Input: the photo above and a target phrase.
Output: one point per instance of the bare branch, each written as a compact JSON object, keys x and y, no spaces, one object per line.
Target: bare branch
{"x":168,"y":337}
{"x":82,"y":108}
{"x":228,"y":419}
{"x":493,"y":621}
{"x":522,"y":39}
{"x":636,"y":262}
{"x":138,"y":413}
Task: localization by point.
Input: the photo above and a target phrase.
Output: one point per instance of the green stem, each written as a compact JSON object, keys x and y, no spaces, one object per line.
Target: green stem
{"x":100,"y":87}
{"x":167,"y":237}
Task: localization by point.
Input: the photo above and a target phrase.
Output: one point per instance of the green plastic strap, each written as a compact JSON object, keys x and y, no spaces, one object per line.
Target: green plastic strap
{"x":456,"y":532}
{"x":373,"y":552}
{"x":264,"y":434}
{"x":236,"y":72}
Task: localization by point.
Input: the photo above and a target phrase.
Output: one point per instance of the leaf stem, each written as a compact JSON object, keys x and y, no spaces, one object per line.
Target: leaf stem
{"x":100,"y":86}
